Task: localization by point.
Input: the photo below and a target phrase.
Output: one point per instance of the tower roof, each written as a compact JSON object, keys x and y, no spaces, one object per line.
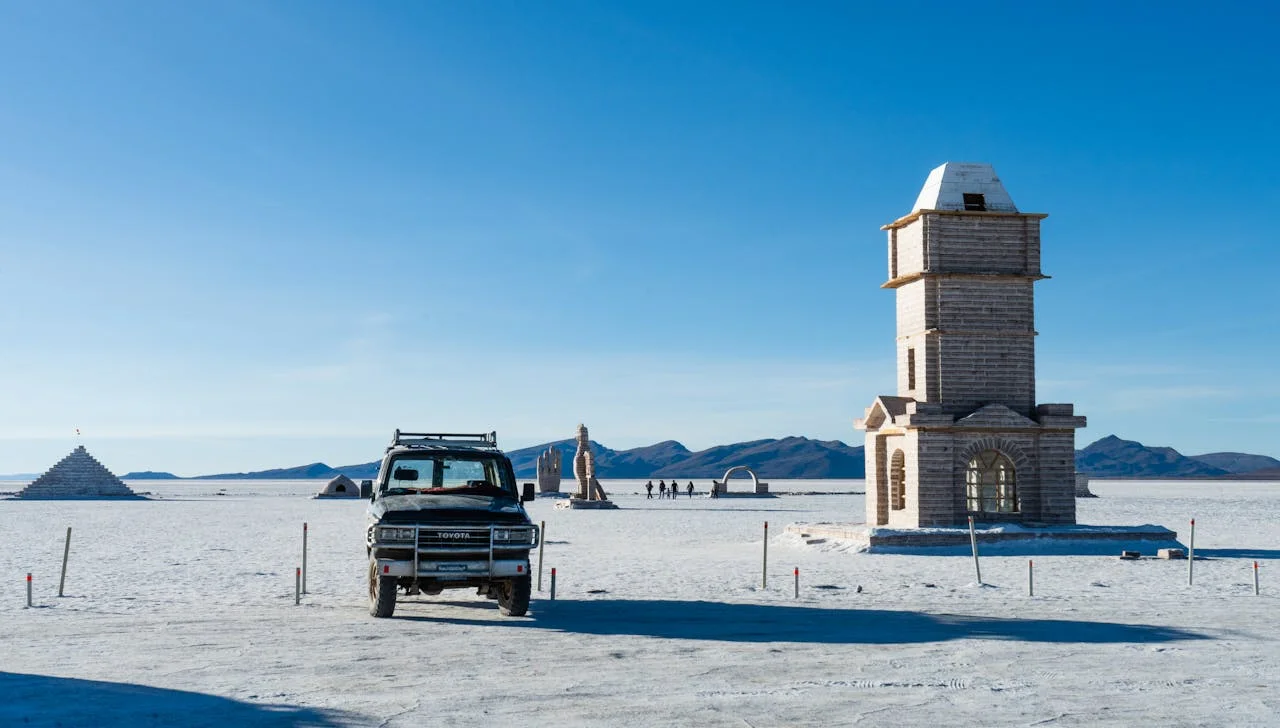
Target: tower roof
{"x":78,"y":475}
{"x":947,"y":185}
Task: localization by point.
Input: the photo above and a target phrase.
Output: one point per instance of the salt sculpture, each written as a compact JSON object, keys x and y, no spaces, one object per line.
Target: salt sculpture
{"x":78,"y":475}
{"x":549,"y":470}
{"x":589,"y":493}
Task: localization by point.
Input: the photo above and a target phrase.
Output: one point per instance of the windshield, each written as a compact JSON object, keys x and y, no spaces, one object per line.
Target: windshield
{"x":463,"y":473}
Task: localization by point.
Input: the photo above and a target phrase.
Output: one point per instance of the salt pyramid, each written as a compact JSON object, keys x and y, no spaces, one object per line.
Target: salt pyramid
{"x":78,"y":475}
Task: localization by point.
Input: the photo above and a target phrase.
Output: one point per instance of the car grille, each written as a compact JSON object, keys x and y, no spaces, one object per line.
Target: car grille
{"x":453,"y":537}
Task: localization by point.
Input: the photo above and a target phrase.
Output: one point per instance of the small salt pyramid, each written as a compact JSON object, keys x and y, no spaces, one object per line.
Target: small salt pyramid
{"x":78,"y":475}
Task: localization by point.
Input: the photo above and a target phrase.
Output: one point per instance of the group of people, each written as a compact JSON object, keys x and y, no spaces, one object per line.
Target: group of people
{"x":663,"y":490}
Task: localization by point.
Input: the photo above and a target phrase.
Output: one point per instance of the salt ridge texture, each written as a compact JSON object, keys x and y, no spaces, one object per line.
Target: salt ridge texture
{"x":180,"y":612}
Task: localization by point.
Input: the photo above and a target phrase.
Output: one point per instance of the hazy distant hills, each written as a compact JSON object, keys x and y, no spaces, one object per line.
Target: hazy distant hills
{"x":800,"y":457}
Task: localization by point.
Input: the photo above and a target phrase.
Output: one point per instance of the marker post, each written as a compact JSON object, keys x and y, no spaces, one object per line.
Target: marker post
{"x":542,"y":539}
{"x":764,"y":571}
{"x":973,"y":543}
{"x":797,"y":582}
{"x":66,"y":551}
{"x":1191,"y":554}
{"x":28,"y":590}
{"x":304,"y":557}
{"x":553,"y":583}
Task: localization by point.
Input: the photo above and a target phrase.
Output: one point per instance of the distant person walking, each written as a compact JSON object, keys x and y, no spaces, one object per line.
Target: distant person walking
{"x":690,"y":488}
{"x":662,"y":489}
{"x":648,"y":490}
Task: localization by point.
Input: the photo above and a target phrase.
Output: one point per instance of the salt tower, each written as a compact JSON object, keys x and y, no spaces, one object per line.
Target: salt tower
{"x":78,"y":475}
{"x":964,"y":436}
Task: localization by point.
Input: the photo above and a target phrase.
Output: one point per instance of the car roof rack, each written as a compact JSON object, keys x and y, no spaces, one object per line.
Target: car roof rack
{"x":479,"y":440}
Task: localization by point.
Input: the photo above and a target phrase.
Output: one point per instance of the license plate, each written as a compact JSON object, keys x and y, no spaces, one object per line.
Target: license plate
{"x":453,"y":567}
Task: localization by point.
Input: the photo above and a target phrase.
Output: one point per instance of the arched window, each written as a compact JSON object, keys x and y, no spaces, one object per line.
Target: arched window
{"x":993,"y":485}
{"x":897,"y":481}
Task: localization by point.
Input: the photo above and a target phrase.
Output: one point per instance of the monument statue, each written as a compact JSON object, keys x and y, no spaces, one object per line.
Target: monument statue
{"x":584,"y":470}
{"x":549,"y":470}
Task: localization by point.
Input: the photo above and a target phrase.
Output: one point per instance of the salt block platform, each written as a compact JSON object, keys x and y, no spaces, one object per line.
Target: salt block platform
{"x":1046,"y":538}
{"x":583,"y":503}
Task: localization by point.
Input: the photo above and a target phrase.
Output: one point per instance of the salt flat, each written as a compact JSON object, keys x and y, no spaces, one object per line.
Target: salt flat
{"x":179,"y":611}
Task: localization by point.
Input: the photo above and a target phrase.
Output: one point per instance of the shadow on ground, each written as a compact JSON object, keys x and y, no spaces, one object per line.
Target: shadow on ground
{"x":779,"y":623}
{"x":1257,"y":554}
{"x":42,"y":700}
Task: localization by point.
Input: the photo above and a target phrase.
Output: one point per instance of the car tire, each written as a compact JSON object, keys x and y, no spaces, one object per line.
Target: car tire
{"x":513,"y":597}
{"x":382,"y":592}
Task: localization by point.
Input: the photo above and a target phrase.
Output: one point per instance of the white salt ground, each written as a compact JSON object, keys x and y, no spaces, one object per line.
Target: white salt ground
{"x":179,"y":611}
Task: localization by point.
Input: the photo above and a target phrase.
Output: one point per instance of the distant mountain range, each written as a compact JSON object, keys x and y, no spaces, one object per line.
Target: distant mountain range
{"x":800,"y":457}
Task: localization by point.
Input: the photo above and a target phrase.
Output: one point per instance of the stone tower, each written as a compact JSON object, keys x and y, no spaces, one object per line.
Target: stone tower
{"x":964,"y":435}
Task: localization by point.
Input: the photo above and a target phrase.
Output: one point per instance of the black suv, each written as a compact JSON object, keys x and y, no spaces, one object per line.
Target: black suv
{"x":445,"y":514}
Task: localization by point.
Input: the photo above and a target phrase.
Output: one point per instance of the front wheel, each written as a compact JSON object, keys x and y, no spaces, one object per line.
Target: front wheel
{"x":382,"y":592}
{"x":513,"y":597}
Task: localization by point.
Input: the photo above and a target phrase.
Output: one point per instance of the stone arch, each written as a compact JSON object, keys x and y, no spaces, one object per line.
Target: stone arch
{"x":991,"y":442}
{"x":755,"y":481}
{"x":898,"y":481}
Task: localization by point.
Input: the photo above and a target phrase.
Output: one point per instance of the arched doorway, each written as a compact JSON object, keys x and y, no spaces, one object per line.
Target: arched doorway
{"x":898,"y":481}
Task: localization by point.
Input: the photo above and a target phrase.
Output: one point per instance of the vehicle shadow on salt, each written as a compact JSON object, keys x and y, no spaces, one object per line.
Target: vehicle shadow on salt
{"x":670,"y":619}
{"x":43,"y":700}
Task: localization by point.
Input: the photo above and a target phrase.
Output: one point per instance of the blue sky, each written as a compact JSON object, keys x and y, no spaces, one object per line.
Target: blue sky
{"x":243,"y":234}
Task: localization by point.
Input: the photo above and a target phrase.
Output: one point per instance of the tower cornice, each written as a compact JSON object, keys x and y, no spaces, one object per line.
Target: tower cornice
{"x":908,"y":219}
{"x":921,"y":275}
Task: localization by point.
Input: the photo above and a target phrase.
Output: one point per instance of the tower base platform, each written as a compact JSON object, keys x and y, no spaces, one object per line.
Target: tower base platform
{"x":993,"y":538}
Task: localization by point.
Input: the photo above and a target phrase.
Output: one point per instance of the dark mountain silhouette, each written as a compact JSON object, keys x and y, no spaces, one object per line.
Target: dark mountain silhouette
{"x":790,"y":457}
{"x":801,"y":457}
{"x":1112,"y":457}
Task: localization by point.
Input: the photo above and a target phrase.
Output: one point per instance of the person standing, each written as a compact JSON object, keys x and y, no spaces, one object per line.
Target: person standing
{"x":690,"y":488}
{"x":662,"y":489}
{"x":648,"y":490}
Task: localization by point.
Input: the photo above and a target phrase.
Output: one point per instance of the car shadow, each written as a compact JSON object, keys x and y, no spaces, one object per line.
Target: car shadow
{"x":697,"y":620}
{"x":44,"y":700}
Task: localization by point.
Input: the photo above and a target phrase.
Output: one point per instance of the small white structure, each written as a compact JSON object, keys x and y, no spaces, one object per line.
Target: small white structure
{"x":78,"y":475}
{"x":340,"y":487}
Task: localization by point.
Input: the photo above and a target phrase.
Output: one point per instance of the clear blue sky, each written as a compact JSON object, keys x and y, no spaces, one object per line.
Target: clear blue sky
{"x":238,"y":235}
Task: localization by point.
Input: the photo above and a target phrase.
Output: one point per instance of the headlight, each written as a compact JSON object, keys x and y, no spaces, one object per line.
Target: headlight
{"x":392,"y":533}
{"x":513,"y":535}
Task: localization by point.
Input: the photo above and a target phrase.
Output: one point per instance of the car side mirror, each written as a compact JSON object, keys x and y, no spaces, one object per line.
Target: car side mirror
{"x":528,"y":493}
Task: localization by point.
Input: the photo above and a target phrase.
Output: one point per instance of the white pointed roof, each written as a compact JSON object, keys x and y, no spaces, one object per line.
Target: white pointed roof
{"x":946,"y":185}
{"x":78,"y":475}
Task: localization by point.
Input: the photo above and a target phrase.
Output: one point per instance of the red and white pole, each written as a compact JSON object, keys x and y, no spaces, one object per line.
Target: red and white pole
{"x":797,"y":582}
{"x":28,"y":590}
